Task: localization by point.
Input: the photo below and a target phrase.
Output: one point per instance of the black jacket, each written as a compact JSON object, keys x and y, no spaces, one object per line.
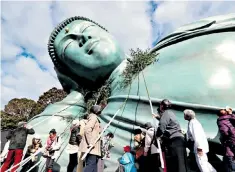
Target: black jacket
{"x":19,"y":137}
{"x":169,"y":126}
{"x":75,"y":138}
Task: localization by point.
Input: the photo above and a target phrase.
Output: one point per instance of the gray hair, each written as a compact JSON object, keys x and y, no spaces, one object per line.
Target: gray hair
{"x":189,"y":113}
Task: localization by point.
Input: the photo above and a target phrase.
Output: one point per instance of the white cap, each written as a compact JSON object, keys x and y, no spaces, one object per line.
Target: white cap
{"x":75,"y":122}
{"x":36,"y":136}
{"x":228,"y":108}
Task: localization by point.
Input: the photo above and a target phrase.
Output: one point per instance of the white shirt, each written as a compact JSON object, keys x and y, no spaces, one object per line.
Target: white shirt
{"x":196,"y":133}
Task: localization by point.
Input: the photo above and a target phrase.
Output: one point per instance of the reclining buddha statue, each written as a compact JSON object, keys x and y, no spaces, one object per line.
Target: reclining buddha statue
{"x":195,"y":69}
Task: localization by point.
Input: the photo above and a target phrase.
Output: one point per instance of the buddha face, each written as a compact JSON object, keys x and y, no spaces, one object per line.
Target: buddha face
{"x":88,"y":50}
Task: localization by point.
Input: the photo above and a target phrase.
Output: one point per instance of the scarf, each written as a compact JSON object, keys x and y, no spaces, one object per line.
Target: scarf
{"x":50,"y":140}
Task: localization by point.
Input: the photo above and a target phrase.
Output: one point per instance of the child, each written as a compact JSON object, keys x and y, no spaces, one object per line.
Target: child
{"x":128,"y":160}
{"x":107,"y":145}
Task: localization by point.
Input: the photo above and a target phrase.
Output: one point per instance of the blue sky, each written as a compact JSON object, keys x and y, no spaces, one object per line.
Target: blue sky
{"x":26,"y":68}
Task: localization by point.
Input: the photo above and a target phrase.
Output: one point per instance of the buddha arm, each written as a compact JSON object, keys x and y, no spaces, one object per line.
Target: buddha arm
{"x":71,"y":106}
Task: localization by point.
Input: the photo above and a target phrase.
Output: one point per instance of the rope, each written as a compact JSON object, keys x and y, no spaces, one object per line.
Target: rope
{"x":100,"y":135}
{"x":34,"y":165}
{"x":123,"y":108}
{"x":136,"y":105}
{"x":29,"y":158}
{"x":151,"y":106}
{"x":67,"y":127}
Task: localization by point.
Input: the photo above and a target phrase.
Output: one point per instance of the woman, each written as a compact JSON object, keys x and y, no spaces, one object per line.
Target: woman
{"x":127,"y":160}
{"x":36,"y":145}
{"x":227,"y":138}
{"x":52,"y":148}
{"x":72,"y":148}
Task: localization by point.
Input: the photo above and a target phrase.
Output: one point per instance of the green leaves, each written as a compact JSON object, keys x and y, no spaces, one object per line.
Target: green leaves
{"x":23,"y":109}
{"x":138,"y":61}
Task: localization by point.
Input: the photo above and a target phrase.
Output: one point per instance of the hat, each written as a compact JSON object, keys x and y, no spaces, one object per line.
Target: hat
{"x":75,"y":122}
{"x":21,"y":123}
{"x":36,"y":136}
{"x":148,"y":125}
{"x":96,"y":109}
{"x":127,"y":149}
{"x":52,"y":131}
{"x":228,"y":108}
{"x":137,"y":131}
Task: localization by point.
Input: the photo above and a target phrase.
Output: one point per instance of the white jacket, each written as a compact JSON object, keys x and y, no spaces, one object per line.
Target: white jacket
{"x":148,"y":140}
{"x":56,"y":147}
{"x":196,"y":133}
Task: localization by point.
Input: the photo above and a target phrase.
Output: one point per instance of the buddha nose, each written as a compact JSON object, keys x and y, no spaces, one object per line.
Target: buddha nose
{"x":82,"y":39}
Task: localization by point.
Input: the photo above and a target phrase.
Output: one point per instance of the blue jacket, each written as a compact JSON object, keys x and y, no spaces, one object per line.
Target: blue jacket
{"x":128,"y":161}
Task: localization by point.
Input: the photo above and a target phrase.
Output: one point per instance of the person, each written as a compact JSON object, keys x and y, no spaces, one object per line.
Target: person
{"x":196,"y":134}
{"x":151,"y":150}
{"x":128,"y":160}
{"x":107,"y":145}
{"x":91,"y":132}
{"x":139,"y":140}
{"x":72,"y":147}
{"x":170,"y":129}
{"x":82,"y":125}
{"x":36,"y":145}
{"x":227,"y":138}
{"x":4,"y":153}
{"x":16,"y":146}
{"x":52,"y":148}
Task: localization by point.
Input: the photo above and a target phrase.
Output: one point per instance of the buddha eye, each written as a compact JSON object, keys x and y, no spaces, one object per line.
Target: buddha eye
{"x":86,"y":26}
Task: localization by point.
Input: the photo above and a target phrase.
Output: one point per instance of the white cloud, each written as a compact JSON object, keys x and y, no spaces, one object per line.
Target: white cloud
{"x":25,"y":79}
{"x":29,"y":25}
{"x":171,"y":15}
{"x":127,"y":21}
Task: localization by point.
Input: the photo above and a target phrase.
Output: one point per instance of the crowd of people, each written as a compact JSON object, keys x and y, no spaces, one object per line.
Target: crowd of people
{"x":160,"y":148}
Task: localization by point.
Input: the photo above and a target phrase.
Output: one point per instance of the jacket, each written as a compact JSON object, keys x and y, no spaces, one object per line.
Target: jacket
{"x":75,"y":138}
{"x":56,"y":145}
{"x":128,"y":162}
{"x":169,"y":126}
{"x":196,"y":134}
{"x":19,"y":137}
{"x":150,"y":144}
{"x":227,"y":132}
{"x":91,"y":132}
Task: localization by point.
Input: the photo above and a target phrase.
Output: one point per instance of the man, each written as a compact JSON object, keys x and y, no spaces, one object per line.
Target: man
{"x":169,"y":128}
{"x":91,"y":132}
{"x":139,"y":140}
{"x":151,"y":150}
{"x":197,"y":135}
{"x":227,"y":138}
{"x":73,"y":145}
{"x":16,"y":147}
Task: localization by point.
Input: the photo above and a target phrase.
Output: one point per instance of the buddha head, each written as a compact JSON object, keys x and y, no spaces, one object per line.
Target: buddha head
{"x":83,"y":52}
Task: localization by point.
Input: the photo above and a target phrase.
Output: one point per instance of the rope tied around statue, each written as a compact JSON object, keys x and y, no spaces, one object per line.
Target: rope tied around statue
{"x":23,"y":162}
